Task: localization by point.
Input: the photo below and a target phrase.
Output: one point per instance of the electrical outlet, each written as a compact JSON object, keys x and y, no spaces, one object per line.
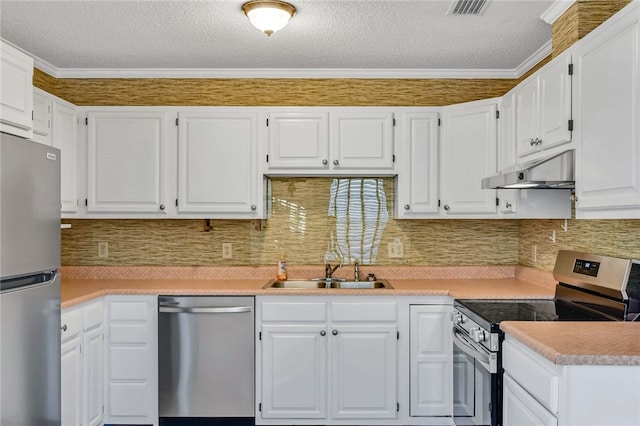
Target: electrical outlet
{"x":103,"y":249}
{"x":227,"y":250}
{"x":396,"y":249}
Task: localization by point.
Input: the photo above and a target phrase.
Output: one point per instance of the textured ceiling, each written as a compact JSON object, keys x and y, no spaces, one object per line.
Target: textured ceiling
{"x":373,"y":34}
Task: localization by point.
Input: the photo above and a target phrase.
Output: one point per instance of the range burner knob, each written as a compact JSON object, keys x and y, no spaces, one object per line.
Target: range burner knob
{"x":456,"y":318}
{"x":478,"y":335}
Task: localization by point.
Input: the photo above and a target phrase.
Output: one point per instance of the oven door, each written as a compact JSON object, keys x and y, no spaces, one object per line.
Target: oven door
{"x":476,"y":382}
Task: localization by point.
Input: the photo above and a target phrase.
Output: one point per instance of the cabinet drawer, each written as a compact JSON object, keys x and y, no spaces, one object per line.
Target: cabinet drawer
{"x":367,"y":311}
{"x":128,"y":311}
{"x":533,"y":373}
{"x":129,"y":333}
{"x":294,"y":311}
{"x":71,"y":324}
{"x":521,"y":409}
{"x":93,"y":315}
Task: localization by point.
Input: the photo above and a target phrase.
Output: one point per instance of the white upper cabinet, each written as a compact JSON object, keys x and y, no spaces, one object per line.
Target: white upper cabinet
{"x":64,"y":137}
{"x":126,"y":161}
{"x":608,"y":119}
{"x":217,"y":164}
{"x":468,"y":154}
{"x":417,"y":145}
{"x":330,"y":141}
{"x":362,"y":139}
{"x":16,"y":86}
{"x":543,"y":109}
{"x":507,"y":132}
{"x":298,"y":140}
{"x":42,"y":113}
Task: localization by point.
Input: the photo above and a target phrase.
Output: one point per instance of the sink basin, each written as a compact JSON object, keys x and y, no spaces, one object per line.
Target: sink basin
{"x":310,"y":284}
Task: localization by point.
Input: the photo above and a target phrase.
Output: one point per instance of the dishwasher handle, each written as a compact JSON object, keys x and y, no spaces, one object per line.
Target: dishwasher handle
{"x":222,"y":310}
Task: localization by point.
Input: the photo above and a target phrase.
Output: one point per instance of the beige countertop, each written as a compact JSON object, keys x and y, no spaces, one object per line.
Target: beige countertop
{"x":81,"y":290}
{"x":580,"y":343}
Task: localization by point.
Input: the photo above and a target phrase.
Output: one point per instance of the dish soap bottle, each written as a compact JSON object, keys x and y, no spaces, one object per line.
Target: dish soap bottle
{"x":282,"y":269}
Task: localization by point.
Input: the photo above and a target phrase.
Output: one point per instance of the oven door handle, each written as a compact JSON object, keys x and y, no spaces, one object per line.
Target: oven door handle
{"x":487,"y":360}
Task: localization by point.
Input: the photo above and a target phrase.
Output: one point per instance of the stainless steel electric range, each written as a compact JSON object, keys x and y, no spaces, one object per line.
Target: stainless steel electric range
{"x":590,"y":288}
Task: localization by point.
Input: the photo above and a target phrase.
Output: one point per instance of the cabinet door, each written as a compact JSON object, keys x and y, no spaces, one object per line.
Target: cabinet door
{"x":93,"y":377}
{"x":217,"y":163}
{"x":294,"y":371}
{"x":527,"y":106}
{"x":418,"y":165}
{"x":555,"y":103}
{"x":131,"y":360}
{"x":16,"y":86}
{"x":364,"y":371}
{"x":361,"y":140}
{"x":608,"y":123}
{"x":126,"y":161}
{"x":520,"y":408}
{"x":71,"y":379}
{"x":42,"y":106}
{"x":298,"y":140}
{"x":507,"y":136}
{"x":464,"y":388}
{"x":431,"y":361}
{"x":468,"y":154}
{"x":65,"y":120}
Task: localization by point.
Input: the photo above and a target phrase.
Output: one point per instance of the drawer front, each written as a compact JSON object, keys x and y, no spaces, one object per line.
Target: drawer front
{"x":93,"y":315}
{"x":294,"y":311}
{"x":128,"y":311}
{"x":535,"y":374}
{"x":129,"y":333}
{"x":519,"y":408}
{"x":71,"y":324}
{"x":364,"y":311}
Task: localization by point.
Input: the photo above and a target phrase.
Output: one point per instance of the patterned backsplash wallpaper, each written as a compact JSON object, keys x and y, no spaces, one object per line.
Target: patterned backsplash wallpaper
{"x":313,"y":220}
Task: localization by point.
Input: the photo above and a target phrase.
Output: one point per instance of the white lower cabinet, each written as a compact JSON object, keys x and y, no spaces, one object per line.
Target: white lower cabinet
{"x":82,"y":365}
{"x":431,"y":360}
{"x":324,"y":360}
{"x":131,"y":365}
{"x":539,"y":392}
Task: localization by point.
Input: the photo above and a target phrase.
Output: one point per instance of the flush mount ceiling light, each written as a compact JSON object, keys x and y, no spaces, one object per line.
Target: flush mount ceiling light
{"x":268,"y":16}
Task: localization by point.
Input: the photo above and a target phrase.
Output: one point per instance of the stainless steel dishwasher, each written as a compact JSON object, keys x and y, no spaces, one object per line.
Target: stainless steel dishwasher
{"x":205,"y":357}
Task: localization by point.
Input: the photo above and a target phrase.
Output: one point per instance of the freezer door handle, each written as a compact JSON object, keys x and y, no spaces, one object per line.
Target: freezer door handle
{"x":224,"y":310}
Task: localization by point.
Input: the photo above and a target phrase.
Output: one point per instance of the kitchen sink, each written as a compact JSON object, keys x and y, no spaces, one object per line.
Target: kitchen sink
{"x":310,"y":284}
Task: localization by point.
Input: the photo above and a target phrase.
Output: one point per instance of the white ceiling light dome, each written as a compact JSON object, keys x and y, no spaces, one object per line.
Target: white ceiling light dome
{"x":268,"y":16}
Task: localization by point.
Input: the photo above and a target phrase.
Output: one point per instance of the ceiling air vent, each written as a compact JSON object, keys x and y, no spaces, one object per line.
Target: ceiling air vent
{"x":468,"y":7}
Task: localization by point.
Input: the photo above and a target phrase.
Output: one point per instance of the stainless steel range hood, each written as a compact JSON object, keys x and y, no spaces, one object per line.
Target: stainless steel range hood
{"x":555,"y":172}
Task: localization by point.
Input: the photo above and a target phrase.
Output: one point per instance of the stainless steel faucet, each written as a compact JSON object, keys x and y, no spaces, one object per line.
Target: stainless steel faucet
{"x":328,"y":270}
{"x":356,"y":270}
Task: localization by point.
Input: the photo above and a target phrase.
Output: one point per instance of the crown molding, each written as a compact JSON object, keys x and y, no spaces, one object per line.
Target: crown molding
{"x":556,"y":10}
{"x":292,"y":73}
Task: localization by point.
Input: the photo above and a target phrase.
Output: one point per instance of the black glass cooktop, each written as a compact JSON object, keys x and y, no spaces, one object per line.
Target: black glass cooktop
{"x":491,"y":311}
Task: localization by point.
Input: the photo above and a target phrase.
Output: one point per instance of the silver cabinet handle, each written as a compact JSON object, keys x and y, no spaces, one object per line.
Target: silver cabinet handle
{"x":325,"y":162}
{"x":336,"y":162}
{"x":539,"y":141}
{"x":334,"y":332}
{"x":531,"y":142}
{"x":446,"y":207}
{"x":407,"y":207}
{"x":64,"y":327}
{"x":162,"y":207}
{"x":508,"y":205}
{"x":323,"y":333}
{"x":225,"y":310}
{"x":253,"y":207}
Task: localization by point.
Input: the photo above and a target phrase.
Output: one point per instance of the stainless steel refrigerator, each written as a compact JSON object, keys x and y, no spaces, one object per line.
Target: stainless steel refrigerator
{"x":29,"y":283}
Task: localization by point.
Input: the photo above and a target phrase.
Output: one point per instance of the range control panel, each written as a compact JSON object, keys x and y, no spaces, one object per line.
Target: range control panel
{"x":586,"y":267}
